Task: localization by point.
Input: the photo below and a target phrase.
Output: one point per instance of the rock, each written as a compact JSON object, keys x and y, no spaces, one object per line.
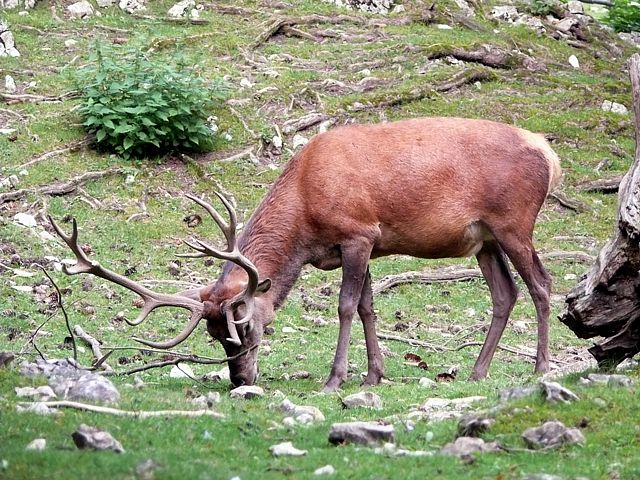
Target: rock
{"x":90,"y":437}
{"x":7,"y":43}
{"x":613,"y":380}
{"x":106,"y":3}
{"x":93,"y":388}
{"x":609,"y":106}
{"x":206,"y":401}
{"x":302,"y":414}
{"x":631,"y":37}
{"x":25,"y":220}
{"x":557,"y":393}
{"x":42,"y":393}
{"x":217,"y":376}
{"x":69,"y":43}
{"x":82,"y":9}
{"x":180,"y":8}
{"x":181,"y":371}
{"x":6,"y":358}
{"x":37,"y":444}
{"x":516,"y":393}
{"x":506,"y":12}
{"x":247,"y":392}
{"x":465,"y":8}
{"x":427,"y":382}
{"x":551,"y":434}
{"x":132,"y":6}
{"x":371,"y":6}
{"x":467,"y":446}
{"x":437,"y":409}
{"x":367,"y":433}
{"x":473,"y":425}
{"x":391,"y":450}
{"x":574,"y":62}
{"x":326,"y":470}
{"x":38,"y":408}
{"x":566,"y":24}
{"x":286,"y":449}
{"x":575,"y":7}
{"x":362,"y":399}
{"x":10,"y":4}
{"x":9,"y":84}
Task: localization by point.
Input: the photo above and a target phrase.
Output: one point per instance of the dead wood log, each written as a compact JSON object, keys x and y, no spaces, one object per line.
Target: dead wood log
{"x":607,"y":302}
{"x":602,"y":185}
{"x":488,"y":55}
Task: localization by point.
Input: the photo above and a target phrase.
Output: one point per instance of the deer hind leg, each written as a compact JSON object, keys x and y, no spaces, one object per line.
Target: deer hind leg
{"x":355,"y":258}
{"x":375,"y":367}
{"x":504,"y":292}
{"x":525,"y":260}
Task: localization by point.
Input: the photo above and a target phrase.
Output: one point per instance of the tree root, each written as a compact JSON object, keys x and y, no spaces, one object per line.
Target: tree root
{"x":570,"y":203}
{"x":488,"y":55}
{"x":64,"y":188}
{"x":448,"y":274}
{"x":71,"y":148}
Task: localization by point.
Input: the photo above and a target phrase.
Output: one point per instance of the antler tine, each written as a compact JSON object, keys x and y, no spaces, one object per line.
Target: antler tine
{"x":229,"y":230}
{"x":232,"y":254}
{"x":152,"y":300}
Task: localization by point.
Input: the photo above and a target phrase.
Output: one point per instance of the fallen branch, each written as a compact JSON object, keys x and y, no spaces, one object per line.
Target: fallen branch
{"x":11,"y":98}
{"x":460,"y":79}
{"x":410,"y":341}
{"x":602,"y":185}
{"x":59,"y":188}
{"x":570,"y":203}
{"x":237,"y":156}
{"x":71,"y":148}
{"x":500,"y":347}
{"x":448,"y":274}
{"x":577,"y":256}
{"x":93,"y":343}
{"x":281,"y":24}
{"x":125,"y":413}
{"x":178,"y":358}
{"x":179,"y":20}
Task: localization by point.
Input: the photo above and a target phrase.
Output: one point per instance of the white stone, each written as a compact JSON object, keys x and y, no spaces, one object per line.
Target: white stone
{"x":443,"y":26}
{"x":9,"y":84}
{"x":326,"y":470}
{"x":132,"y":6}
{"x":574,"y":62}
{"x":286,"y":449}
{"x":37,"y":444}
{"x":25,"y":220}
{"x":217,"y":375}
{"x":9,"y":4}
{"x":70,"y":43}
{"x":181,"y":371}
{"x":609,"y":106}
{"x":575,"y":7}
{"x":246,"y":83}
{"x":106,"y":3}
{"x":247,"y":392}
{"x":180,"y":8}
{"x":505,"y":12}
{"x":299,"y":141}
{"x":80,"y":9}
{"x":7,"y":131}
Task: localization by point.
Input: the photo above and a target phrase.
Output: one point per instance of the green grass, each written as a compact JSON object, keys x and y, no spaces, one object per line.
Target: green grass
{"x":560,"y":101}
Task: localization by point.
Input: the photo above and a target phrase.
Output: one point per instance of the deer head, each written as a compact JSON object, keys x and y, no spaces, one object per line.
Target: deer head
{"x":232,"y":308}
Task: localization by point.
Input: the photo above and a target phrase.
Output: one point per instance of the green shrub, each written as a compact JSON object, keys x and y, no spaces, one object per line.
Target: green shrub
{"x":138,"y":106}
{"x":541,"y":8}
{"x":624,"y":16}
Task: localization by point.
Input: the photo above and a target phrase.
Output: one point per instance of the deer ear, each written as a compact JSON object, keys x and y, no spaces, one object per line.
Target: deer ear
{"x":263,"y":286}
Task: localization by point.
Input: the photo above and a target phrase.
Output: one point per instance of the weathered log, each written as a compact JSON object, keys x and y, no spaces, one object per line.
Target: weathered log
{"x":607,"y":302}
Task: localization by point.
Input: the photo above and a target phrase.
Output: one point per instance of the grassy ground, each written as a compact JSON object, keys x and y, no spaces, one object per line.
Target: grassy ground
{"x":559,"y":101}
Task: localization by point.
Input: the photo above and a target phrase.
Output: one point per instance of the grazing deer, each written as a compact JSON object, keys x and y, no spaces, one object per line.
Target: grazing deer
{"x":430,"y":188}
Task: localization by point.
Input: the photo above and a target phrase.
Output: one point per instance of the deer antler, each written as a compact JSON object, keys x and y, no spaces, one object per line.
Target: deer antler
{"x":232,"y":254}
{"x":152,"y":300}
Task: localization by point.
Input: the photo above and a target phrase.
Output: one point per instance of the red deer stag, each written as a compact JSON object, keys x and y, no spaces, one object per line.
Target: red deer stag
{"x":430,"y":188}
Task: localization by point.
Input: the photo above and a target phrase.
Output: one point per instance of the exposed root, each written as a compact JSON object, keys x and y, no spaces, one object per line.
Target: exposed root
{"x":71,"y":148}
{"x":570,"y":203}
{"x":11,"y":98}
{"x":64,"y":188}
{"x":602,"y":185}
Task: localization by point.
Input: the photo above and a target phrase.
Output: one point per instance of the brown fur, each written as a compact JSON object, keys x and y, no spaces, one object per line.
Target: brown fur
{"x":430,"y":188}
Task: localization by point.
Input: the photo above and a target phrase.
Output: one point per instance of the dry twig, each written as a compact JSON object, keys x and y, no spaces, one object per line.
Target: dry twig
{"x":71,"y":148}
{"x":64,"y":312}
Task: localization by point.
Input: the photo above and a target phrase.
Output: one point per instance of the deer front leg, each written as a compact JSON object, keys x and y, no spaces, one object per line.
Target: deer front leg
{"x":355,"y":258}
